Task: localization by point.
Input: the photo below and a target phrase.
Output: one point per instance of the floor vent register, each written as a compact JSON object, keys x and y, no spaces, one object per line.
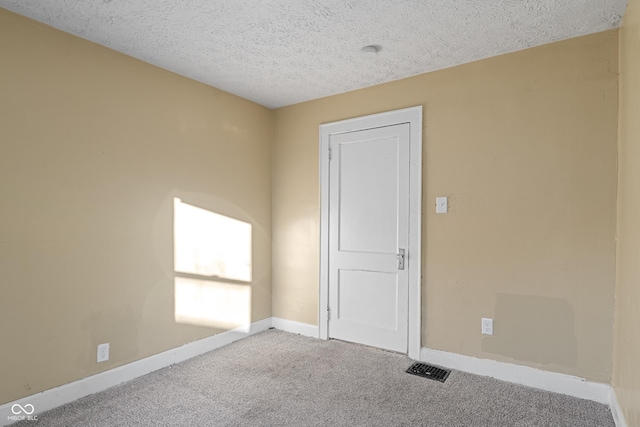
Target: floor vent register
{"x":429,"y":371}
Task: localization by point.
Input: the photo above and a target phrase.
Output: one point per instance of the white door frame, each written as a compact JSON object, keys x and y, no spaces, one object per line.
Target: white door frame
{"x":413,"y":116}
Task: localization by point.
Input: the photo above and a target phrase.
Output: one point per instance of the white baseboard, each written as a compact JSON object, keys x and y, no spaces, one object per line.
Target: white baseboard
{"x":66,"y":393}
{"x":616,"y":410}
{"x":295,"y":327}
{"x":550,"y":381}
{"x":537,"y":378}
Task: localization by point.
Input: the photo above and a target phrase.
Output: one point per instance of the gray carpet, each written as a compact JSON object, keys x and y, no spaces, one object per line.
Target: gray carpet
{"x":281,"y":379}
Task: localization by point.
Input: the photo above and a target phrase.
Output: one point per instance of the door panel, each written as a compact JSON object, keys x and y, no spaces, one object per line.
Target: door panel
{"x":369,"y":298}
{"x":368,"y":224}
{"x":368,"y":193}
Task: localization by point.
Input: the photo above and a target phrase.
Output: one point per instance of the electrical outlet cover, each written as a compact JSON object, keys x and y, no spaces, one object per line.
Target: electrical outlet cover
{"x":487,"y":326}
{"x":103,"y":352}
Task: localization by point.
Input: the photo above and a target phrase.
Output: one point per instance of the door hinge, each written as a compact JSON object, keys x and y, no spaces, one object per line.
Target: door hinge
{"x":328,"y":312}
{"x":400,"y":258}
{"x":330,"y":155}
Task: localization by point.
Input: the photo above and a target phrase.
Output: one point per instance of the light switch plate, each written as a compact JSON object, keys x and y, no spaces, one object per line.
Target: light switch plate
{"x":442,"y":205}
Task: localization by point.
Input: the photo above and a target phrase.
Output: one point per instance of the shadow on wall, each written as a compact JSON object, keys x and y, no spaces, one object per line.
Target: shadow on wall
{"x":535,"y":329}
{"x":213,"y":268}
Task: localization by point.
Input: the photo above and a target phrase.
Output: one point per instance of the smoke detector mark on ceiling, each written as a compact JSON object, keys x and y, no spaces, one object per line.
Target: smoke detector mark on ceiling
{"x":371,"y":49}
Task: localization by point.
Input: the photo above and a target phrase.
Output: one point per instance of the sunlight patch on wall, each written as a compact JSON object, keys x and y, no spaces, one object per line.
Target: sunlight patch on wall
{"x":210,"y":244}
{"x":214,"y":304}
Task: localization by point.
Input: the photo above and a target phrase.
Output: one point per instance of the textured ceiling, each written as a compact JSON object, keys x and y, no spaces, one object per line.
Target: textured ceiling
{"x":281,"y":52}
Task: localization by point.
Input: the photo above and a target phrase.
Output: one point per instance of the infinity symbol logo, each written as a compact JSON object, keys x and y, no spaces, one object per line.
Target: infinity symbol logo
{"x":27,"y":409}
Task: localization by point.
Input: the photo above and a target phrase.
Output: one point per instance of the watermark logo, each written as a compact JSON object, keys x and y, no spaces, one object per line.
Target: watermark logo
{"x":21,"y":413}
{"x":17,"y":409}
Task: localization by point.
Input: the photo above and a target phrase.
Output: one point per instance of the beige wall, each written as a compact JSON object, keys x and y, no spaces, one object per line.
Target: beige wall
{"x":94,"y":145}
{"x":626,"y":378}
{"x":524,"y":146}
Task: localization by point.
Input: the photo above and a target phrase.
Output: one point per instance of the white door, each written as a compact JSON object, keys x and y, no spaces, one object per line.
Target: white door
{"x":369,"y":236}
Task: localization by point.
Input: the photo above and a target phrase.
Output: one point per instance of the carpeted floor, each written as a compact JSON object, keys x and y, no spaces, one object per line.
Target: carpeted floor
{"x":280,"y":379}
